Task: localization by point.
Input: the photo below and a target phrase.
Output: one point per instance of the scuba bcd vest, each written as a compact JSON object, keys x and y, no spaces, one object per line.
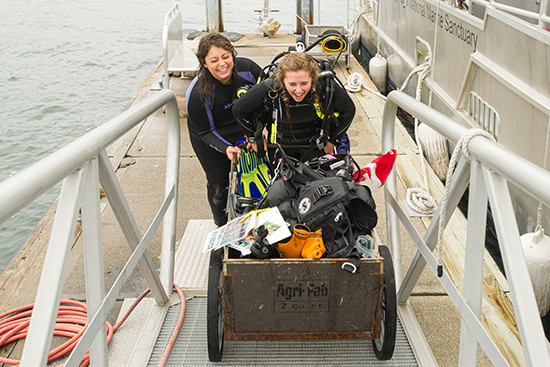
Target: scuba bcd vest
{"x":324,"y":110}
{"x":327,"y":77}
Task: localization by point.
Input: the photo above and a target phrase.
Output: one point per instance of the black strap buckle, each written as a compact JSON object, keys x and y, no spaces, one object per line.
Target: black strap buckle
{"x":322,"y":191}
{"x":349,"y":267}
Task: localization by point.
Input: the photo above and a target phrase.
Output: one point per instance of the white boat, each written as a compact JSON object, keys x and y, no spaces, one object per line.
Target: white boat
{"x":150,"y":176}
{"x":488,"y":65}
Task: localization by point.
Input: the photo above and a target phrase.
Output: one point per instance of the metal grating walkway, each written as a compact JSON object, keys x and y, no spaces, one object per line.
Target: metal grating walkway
{"x":190,"y":349}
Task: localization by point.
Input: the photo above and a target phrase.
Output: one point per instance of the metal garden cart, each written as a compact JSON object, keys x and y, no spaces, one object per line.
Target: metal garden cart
{"x":300,"y":299}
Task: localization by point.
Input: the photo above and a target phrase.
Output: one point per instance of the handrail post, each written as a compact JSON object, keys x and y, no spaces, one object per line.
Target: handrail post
{"x":473,"y":265}
{"x":533,"y":340}
{"x":40,"y":334}
{"x":81,"y":165}
{"x":93,"y":258}
{"x":165,"y":34}
{"x":172,"y":178}
{"x":128,"y":225}
{"x":543,"y":12}
{"x":172,"y":40}
{"x":499,"y":168}
{"x":390,"y":188}
{"x":304,"y":12}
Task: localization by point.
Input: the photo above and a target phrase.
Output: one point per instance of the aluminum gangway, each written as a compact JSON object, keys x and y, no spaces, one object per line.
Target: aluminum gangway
{"x":84,"y":166}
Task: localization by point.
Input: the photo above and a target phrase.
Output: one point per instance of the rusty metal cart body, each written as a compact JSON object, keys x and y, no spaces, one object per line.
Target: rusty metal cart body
{"x":301,"y":299}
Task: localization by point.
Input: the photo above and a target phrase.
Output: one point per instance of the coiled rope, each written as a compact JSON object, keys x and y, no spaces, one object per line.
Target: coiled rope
{"x":460,"y":148}
{"x":355,"y":84}
{"x":419,"y":198}
{"x":71,"y":322}
{"x":354,"y":26}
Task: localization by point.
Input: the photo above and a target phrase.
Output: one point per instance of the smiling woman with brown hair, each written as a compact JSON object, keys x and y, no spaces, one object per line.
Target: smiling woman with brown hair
{"x":212,"y":129}
{"x":295,"y":95}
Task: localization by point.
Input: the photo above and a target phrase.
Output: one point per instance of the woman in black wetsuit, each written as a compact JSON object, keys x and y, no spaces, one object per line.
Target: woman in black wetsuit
{"x":212,"y":129}
{"x":295,"y":93}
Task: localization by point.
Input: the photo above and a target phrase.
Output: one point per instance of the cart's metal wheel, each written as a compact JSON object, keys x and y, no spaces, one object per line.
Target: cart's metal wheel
{"x":384,"y":346}
{"x":214,"y":310}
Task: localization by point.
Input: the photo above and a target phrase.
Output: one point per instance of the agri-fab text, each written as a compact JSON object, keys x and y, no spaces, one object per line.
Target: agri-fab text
{"x":298,"y":291}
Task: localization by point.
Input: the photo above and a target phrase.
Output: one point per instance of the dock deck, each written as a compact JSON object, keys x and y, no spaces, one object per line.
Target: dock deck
{"x":140,"y":157}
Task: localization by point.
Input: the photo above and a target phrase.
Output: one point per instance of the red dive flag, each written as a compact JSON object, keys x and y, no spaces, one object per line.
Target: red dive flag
{"x":377,"y":170}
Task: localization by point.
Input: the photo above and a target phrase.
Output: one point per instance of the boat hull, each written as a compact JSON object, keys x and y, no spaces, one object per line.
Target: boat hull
{"x":489,"y":70}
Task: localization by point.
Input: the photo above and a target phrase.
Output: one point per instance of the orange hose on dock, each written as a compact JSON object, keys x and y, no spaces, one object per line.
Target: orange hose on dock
{"x":71,"y":322}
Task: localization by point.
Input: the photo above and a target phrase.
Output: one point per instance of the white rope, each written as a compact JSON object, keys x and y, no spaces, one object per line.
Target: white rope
{"x":355,"y":80}
{"x":419,"y":198}
{"x":414,"y":71}
{"x":422,"y":76}
{"x":378,"y":44}
{"x":460,"y":148}
{"x":355,"y":84}
{"x":355,"y":26}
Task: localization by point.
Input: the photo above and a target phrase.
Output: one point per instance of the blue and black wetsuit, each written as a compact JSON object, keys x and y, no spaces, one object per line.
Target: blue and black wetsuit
{"x":304,"y":123}
{"x":212,"y":129}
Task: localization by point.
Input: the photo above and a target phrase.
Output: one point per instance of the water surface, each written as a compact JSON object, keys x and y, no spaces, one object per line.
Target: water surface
{"x":68,"y":66}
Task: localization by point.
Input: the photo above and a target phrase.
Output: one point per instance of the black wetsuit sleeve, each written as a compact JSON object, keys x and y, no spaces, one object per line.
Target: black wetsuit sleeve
{"x":345,"y":107}
{"x":251,"y":102}
{"x":201,"y":121}
{"x":215,"y":124}
{"x":248,"y":70}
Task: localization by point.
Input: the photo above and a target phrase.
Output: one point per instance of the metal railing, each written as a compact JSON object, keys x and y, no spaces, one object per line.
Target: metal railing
{"x":172,"y":41}
{"x":541,"y":17}
{"x":178,"y":52}
{"x":83,"y":166}
{"x":491,"y":169}
{"x":484,"y":114}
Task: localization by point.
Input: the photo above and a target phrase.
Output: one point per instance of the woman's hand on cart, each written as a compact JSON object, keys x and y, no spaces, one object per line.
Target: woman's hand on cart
{"x":230,"y":151}
{"x":330,"y":148}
